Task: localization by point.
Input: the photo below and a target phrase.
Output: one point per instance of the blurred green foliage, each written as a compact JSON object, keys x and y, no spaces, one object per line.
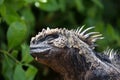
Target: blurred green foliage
{"x":22,"y":19}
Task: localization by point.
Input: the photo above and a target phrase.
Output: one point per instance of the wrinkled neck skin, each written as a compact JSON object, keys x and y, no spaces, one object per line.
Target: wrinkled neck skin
{"x":71,"y":65}
{"x":74,"y":66}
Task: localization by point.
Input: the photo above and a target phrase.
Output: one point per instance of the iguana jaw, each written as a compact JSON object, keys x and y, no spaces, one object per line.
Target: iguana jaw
{"x":40,"y":51}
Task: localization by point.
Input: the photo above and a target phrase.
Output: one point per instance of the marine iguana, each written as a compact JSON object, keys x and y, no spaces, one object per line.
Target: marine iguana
{"x":71,"y":54}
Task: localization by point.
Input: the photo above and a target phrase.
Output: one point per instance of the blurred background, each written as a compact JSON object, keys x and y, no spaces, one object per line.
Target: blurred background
{"x":22,"y":19}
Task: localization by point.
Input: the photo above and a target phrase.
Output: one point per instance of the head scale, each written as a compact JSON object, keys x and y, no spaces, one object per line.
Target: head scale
{"x":70,"y":38}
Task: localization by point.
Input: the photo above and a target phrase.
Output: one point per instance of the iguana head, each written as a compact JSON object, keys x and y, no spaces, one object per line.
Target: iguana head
{"x":57,"y":47}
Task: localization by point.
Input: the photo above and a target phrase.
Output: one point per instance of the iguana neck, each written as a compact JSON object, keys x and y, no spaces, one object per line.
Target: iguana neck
{"x":71,"y":66}
{"x":97,"y":63}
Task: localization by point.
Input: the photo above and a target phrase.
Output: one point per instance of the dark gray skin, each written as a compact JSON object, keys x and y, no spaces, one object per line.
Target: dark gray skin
{"x":68,"y":62}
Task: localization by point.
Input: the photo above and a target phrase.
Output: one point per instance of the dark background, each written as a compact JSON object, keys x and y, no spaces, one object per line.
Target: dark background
{"x":22,"y":19}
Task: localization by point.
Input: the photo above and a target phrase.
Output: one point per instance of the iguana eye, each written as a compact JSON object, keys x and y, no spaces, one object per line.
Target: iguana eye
{"x":51,"y":37}
{"x":48,"y":37}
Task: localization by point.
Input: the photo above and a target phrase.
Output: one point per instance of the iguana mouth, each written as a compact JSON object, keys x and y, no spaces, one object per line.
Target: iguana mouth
{"x":39,"y":51}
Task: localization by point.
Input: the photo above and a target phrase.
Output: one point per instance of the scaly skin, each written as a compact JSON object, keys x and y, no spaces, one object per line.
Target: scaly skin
{"x":71,"y":54}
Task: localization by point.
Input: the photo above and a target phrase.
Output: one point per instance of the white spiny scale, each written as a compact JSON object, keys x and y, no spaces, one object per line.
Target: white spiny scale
{"x":94,"y":39}
{"x":106,"y":51}
{"x":64,"y":29}
{"x":37,"y":37}
{"x":43,"y":30}
{"x":115,"y":52}
{"x":111,"y":54}
{"x":91,"y":33}
{"x":95,"y":36}
{"x":81,"y":29}
{"x":82,"y":33}
{"x":39,"y":32}
{"x":32,"y":38}
{"x":90,"y":36}
{"x":48,"y":28}
{"x":77,"y":30}
{"x":56,"y":28}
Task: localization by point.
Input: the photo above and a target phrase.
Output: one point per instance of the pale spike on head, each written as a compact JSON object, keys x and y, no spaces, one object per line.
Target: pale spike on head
{"x":111,"y":54}
{"x":116,"y":52}
{"x":94,"y":39}
{"x":106,"y":51}
{"x":91,"y":33}
{"x":64,"y":28}
{"x":90,"y":37}
{"x":95,"y":36}
{"x":79,"y":29}
{"x":109,"y":51}
{"x":86,"y":30}
{"x":39,"y":32}
{"x":32,"y":38}
{"x":43,"y":30}
{"x":48,"y":28}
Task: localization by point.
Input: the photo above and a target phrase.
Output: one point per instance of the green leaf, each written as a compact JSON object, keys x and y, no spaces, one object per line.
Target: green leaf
{"x":62,"y":4}
{"x":28,"y":17}
{"x":100,"y":27}
{"x":15,"y":4}
{"x":16,"y":34}
{"x":11,"y":18}
{"x":98,"y":3}
{"x":29,"y":1}
{"x":9,"y":14}
{"x":50,"y":5}
{"x":92,"y":12}
{"x":14,"y":53}
{"x":26,"y":57}
{"x":112,"y":35}
{"x":3,"y":10}
{"x":79,"y":5}
{"x":43,"y":1}
{"x":19,"y":73}
{"x":1,"y":2}
{"x":7,"y":67}
{"x":31,"y":72}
